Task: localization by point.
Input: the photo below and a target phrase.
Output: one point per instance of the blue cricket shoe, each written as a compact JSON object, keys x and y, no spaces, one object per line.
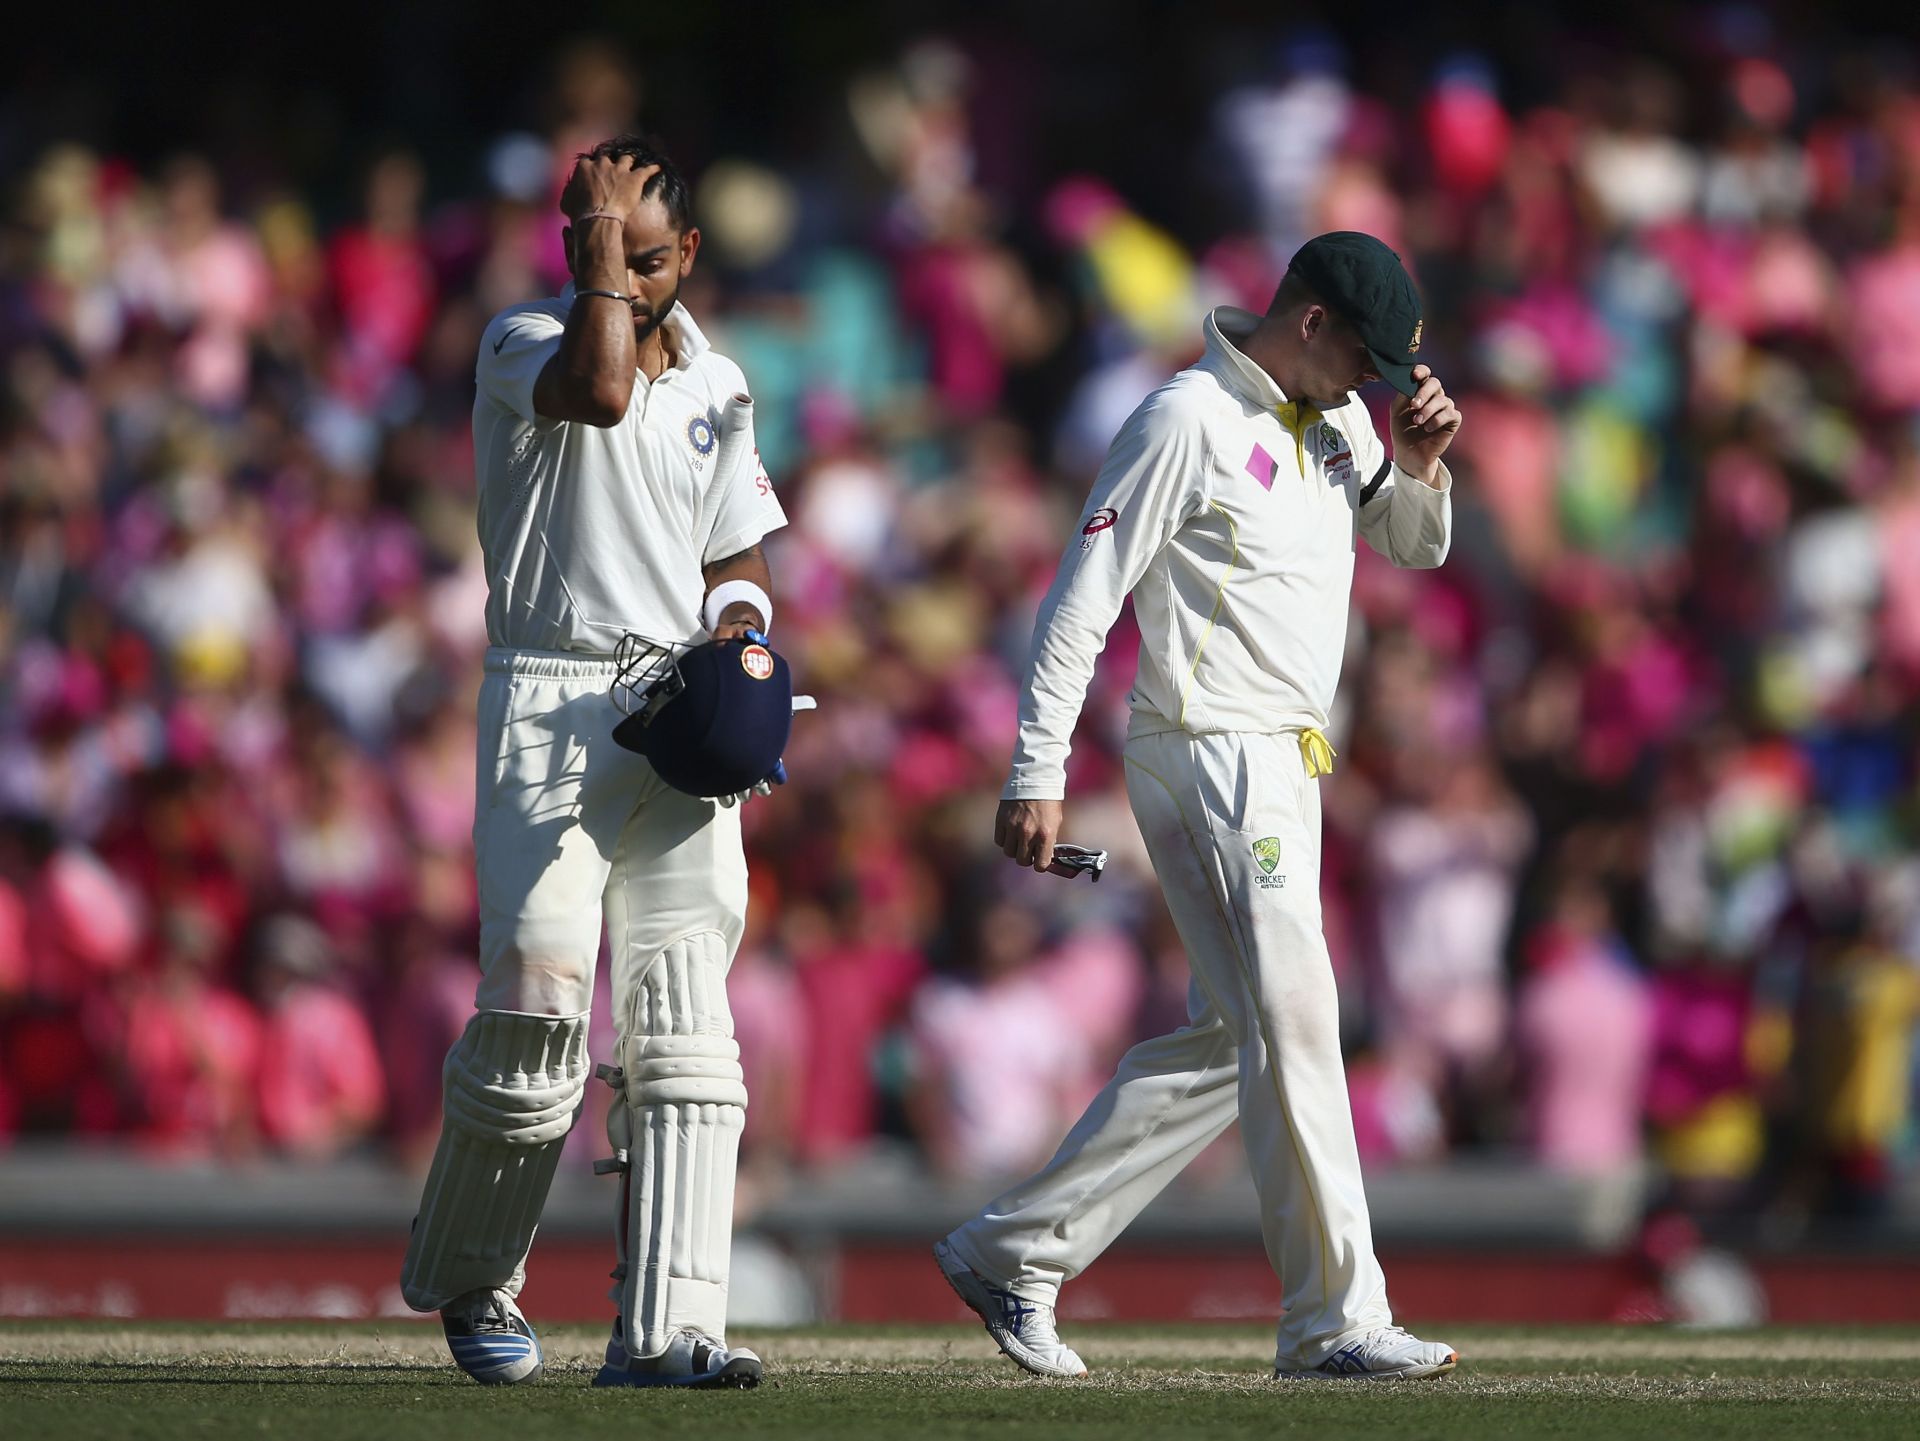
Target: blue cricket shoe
{"x":490,"y":1340}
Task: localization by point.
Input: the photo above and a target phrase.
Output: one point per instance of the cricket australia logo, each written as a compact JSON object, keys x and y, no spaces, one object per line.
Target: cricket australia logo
{"x":1337,"y":454}
{"x":1266,"y":854}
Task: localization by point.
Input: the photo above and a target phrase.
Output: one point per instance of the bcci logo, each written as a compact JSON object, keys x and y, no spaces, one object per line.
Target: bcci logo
{"x":700,"y":435}
{"x":1266,"y":854}
{"x":1413,"y":346}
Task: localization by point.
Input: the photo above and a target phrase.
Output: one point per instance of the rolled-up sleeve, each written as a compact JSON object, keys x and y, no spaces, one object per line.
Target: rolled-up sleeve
{"x":747,"y":511}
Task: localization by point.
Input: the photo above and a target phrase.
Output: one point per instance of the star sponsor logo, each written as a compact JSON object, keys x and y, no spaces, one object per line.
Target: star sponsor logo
{"x":1101,"y":521}
{"x":757,"y":661}
{"x":1266,"y":855}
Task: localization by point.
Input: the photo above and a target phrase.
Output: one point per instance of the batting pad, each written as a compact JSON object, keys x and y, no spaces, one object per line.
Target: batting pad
{"x":687,"y":1100}
{"x":513,"y":1085}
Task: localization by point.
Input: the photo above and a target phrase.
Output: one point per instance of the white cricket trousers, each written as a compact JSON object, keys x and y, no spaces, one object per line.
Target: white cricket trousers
{"x":568,"y":828}
{"x":571,"y":828}
{"x":1232,"y":824}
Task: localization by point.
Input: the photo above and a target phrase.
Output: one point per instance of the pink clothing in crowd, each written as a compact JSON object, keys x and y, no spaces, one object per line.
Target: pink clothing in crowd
{"x":1095,"y":977}
{"x":192,"y":1053}
{"x":1885,"y":327}
{"x":851,"y":996}
{"x":767,"y":1005}
{"x":1700,"y":1036}
{"x":322,"y":1087}
{"x":1005,"y":1063}
{"x":1584,"y":1025}
{"x":1445,"y":883}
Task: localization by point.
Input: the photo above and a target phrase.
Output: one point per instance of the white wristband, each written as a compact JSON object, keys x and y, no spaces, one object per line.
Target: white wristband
{"x":726,"y":593}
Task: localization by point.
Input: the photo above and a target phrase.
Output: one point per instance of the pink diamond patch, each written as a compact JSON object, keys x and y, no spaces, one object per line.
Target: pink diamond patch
{"x":1262,"y":467}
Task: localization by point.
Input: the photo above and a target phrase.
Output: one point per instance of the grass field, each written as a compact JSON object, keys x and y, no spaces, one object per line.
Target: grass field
{"x":74,"y":1379}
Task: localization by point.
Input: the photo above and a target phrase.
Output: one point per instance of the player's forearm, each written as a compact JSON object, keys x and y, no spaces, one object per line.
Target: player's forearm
{"x":1049,"y":710}
{"x":749,"y":565}
{"x":1412,"y":524}
{"x":592,"y":376}
{"x":1067,"y":643}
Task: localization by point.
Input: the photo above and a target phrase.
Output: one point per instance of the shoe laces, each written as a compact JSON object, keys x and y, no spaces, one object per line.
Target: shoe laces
{"x":1021,"y":1317}
{"x":704,"y":1349}
{"x":489,"y":1316}
{"x":1388,"y":1334}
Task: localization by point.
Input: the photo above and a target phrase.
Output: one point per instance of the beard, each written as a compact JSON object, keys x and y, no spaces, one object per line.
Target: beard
{"x":644,"y":325}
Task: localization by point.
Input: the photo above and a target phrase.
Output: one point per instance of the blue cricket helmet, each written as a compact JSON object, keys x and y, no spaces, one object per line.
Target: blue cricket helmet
{"x":713,"y":720}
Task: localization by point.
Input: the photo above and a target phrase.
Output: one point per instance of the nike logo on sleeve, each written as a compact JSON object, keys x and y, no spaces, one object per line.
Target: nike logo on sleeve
{"x":500,"y":342}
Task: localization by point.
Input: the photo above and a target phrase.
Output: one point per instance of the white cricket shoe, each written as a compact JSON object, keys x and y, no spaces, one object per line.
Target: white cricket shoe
{"x":490,"y":1340}
{"x":1022,"y":1329}
{"x":1386,"y":1353}
{"x":692,"y":1358}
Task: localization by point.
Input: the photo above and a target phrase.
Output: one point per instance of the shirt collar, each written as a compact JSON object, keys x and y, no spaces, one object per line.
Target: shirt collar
{"x":689,"y":340}
{"x":1227,"y":324}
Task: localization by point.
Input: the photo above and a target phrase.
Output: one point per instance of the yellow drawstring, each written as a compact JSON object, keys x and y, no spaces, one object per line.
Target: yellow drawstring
{"x":1297,"y":416}
{"x":1316,"y":752}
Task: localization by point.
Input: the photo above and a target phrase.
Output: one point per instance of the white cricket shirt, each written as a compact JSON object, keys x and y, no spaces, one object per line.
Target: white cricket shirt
{"x":1231,"y":516}
{"x":590,"y":533}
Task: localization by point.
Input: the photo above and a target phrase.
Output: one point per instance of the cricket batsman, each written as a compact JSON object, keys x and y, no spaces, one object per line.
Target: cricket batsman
{"x":1229,"y":507}
{"x":613,"y":523}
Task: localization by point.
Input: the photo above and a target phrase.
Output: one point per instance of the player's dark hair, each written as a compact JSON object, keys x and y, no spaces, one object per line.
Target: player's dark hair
{"x":1295,"y":293}
{"x":669,"y":187}
{"x":1292,"y":293}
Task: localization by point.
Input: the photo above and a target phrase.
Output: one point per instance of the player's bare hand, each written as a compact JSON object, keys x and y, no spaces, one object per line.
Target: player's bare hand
{"x":1424,"y":425}
{"x":1026,"y":831}
{"x":610,"y":185}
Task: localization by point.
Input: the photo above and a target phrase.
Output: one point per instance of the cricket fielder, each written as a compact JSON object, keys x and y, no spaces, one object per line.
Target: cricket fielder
{"x":604,"y":512}
{"x":1229,"y":507}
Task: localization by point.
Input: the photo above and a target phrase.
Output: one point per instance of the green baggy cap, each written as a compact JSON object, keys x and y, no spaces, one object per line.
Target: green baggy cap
{"x":1366,"y":284}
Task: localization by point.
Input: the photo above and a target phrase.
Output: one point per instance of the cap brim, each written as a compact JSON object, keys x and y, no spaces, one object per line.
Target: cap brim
{"x":1397,"y":373}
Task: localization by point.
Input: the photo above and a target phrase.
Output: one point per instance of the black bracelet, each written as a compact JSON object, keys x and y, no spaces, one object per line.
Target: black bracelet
{"x":610,"y":294}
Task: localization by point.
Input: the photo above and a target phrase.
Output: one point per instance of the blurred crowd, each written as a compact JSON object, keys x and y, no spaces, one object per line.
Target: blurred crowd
{"x":1620,"y":847}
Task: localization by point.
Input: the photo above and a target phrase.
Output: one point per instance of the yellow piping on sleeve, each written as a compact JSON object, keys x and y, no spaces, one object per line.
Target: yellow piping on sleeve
{"x":1219,"y":598}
